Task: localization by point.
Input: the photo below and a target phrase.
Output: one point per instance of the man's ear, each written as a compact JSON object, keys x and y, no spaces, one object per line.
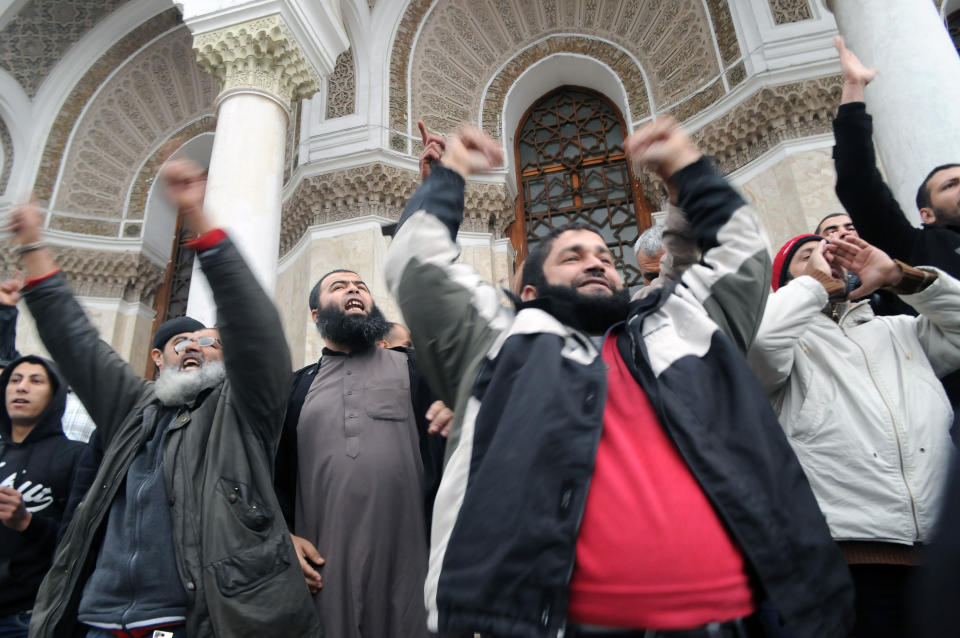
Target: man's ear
{"x":529,"y":293}
{"x":313,"y":315}
{"x":157,"y":356}
{"x":927,"y":216}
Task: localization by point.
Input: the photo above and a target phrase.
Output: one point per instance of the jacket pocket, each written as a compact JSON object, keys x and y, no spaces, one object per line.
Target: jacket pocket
{"x":387,"y":403}
{"x":248,"y":511}
{"x":252,"y":567}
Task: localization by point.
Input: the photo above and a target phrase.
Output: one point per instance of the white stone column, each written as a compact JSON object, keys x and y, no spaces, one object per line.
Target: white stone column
{"x":262,"y":70}
{"x":914,"y":98}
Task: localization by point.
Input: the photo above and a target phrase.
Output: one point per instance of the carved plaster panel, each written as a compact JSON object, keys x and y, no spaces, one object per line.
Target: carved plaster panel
{"x":770,"y":116}
{"x":260,"y":54}
{"x":725,"y":31}
{"x":379,"y":189}
{"x":622,"y":64}
{"x":787,"y":11}
{"x":147,"y":100}
{"x":41,"y":33}
{"x":342,"y":87}
{"x":98,"y":273}
{"x":464,"y":42}
{"x":118,"y":54}
{"x":7,"y":143}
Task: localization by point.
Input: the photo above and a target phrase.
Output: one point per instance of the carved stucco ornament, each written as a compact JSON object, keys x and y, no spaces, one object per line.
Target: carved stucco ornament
{"x":260,"y":54}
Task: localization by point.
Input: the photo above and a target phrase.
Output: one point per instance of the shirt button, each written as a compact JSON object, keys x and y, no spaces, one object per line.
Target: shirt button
{"x":349,"y":372}
{"x":232,"y":498}
{"x":351,"y":416}
{"x":349,"y":392}
{"x":191,"y":586}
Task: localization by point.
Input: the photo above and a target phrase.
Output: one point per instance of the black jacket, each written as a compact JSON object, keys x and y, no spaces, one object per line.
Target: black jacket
{"x":530,"y":390}
{"x":431,"y":446}
{"x":871,"y":205}
{"x":41,"y":467}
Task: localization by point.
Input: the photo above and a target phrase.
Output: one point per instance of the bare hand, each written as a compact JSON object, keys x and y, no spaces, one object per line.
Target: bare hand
{"x":819,"y":260}
{"x":13,"y":513}
{"x":10,"y":290}
{"x":26,"y":224}
{"x":307,"y":554}
{"x":471,"y":151}
{"x":873,"y":266}
{"x":433,"y":147}
{"x":186,"y":185}
{"x":663,"y":146}
{"x":440,"y":418}
{"x":854,"y":71}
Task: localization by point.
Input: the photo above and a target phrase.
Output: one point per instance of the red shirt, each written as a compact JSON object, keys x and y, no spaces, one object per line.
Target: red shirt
{"x":652,"y":553}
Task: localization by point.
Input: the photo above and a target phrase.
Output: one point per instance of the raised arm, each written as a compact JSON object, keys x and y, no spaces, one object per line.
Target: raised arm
{"x":453,"y":315}
{"x":860,"y":187}
{"x":731,"y":280}
{"x":105,"y":383}
{"x":255,"y":351}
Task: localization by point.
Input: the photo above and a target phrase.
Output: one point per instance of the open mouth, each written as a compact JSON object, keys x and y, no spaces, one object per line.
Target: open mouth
{"x":354,"y":304}
{"x":191,"y":362}
{"x":20,"y":402}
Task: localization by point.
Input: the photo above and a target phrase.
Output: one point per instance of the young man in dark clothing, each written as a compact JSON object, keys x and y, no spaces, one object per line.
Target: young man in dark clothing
{"x":36,"y":464}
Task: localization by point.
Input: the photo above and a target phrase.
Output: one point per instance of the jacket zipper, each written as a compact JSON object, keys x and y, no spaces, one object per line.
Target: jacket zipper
{"x":896,"y":433}
{"x":71,"y":570}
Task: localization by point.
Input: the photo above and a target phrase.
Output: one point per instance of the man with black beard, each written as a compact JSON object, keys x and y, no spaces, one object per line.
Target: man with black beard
{"x":614,"y":468}
{"x":356,"y":470}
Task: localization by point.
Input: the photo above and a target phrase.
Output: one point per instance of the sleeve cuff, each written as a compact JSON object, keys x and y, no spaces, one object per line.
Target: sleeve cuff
{"x":851,"y":108}
{"x":836,"y":290}
{"x":33,"y":281}
{"x":914,"y":279}
{"x":207,"y":240}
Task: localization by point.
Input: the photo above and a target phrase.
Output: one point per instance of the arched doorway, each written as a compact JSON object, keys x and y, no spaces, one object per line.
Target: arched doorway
{"x":571,"y":167}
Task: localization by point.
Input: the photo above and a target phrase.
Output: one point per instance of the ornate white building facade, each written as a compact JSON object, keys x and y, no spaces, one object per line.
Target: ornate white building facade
{"x":305,"y":112}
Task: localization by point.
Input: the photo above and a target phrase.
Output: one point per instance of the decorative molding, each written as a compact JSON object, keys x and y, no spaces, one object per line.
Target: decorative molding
{"x":140,"y":188}
{"x":770,"y":116}
{"x":342,"y":87}
{"x":143,"y":104}
{"x":94,"y":273}
{"x":6,"y":142}
{"x":462,"y":43}
{"x":42,"y":32}
{"x":620,"y":62}
{"x":259,"y":54}
{"x":53,"y":152}
{"x":787,"y":11}
{"x":725,"y":31}
{"x":381,"y":190}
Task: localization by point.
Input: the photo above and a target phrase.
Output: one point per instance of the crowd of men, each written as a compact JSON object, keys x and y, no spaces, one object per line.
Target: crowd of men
{"x":708,"y":459}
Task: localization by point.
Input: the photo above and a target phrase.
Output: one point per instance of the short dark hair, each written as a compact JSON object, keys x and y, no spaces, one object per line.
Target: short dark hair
{"x":923,"y":193}
{"x":314,"y":299}
{"x":820,"y":225}
{"x":533,"y":264}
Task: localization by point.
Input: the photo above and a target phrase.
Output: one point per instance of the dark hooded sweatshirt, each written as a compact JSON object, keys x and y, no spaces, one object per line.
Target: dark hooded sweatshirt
{"x":40,"y":467}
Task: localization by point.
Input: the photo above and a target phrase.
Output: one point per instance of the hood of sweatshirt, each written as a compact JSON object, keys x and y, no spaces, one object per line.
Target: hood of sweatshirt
{"x":48,"y":424}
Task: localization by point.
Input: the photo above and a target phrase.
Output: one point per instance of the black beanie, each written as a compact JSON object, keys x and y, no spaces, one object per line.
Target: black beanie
{"x":172,"y":327}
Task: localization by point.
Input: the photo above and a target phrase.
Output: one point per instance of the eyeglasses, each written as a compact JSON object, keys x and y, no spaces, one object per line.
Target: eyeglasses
{"x":181,"y":345}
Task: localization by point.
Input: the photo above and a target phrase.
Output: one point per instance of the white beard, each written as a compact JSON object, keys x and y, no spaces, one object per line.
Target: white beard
{"x":179,"y":387}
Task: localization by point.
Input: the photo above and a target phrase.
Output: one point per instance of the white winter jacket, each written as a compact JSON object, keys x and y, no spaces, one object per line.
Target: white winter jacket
{"x":862,"y":406}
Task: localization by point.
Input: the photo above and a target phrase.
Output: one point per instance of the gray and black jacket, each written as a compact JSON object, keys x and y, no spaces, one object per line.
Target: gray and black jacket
{"x":233,"y":550}
{"x":529,"y":391}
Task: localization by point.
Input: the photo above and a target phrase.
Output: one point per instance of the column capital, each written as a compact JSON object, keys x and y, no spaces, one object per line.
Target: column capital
{"x":260,"y":55}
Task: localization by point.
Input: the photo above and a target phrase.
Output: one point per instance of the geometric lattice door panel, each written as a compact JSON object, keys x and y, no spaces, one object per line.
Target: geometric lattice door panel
{"x":572,"y":168}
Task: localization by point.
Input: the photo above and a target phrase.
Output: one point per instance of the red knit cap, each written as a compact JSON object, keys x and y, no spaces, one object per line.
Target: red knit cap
{"x":781,"y":263}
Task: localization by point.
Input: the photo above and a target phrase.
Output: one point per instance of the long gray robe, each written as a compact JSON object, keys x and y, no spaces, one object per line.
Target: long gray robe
{"x":360,"y":496}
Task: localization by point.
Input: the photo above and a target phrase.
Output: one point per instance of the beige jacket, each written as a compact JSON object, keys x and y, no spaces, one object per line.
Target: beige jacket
{"x":862,"y":406}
